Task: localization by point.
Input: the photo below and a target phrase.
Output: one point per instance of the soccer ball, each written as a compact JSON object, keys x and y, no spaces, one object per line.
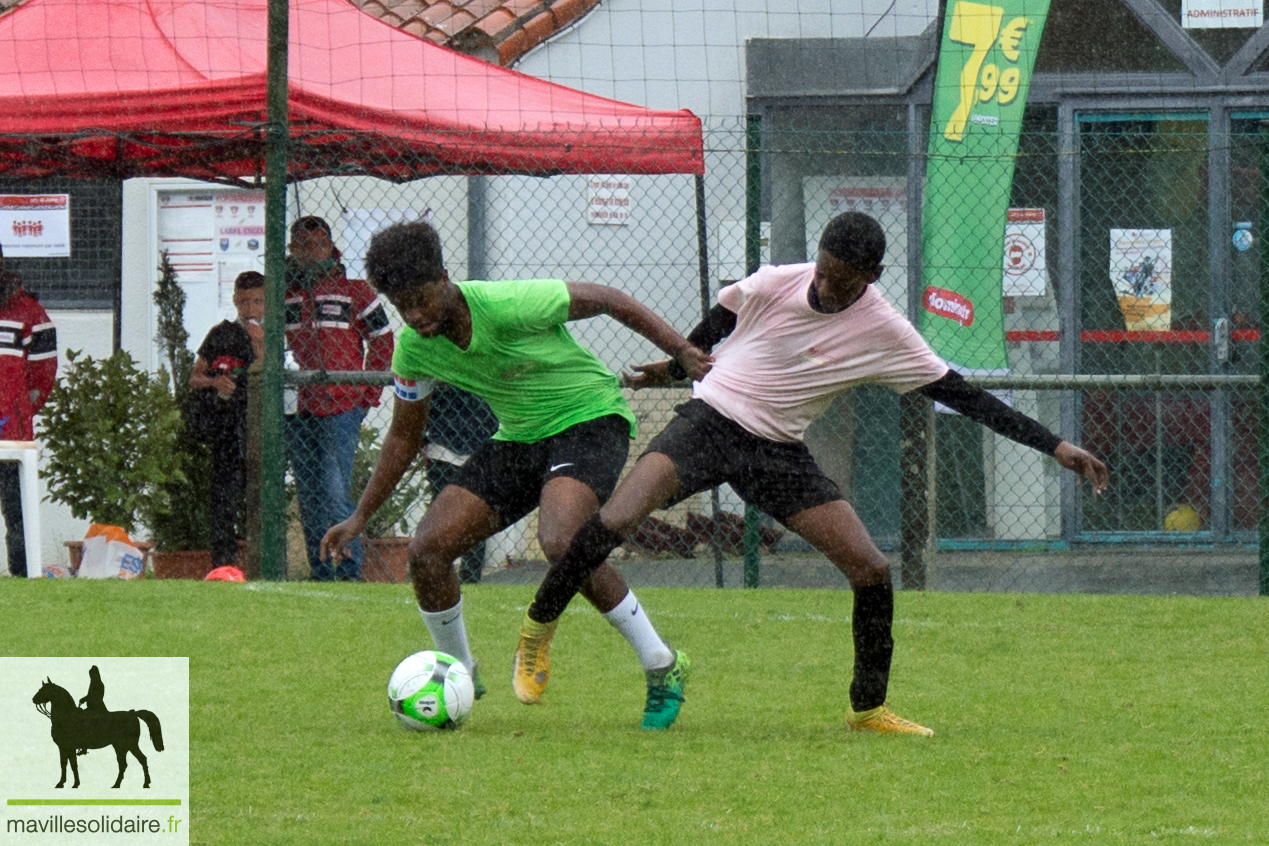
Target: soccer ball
{"x":431,"y":690}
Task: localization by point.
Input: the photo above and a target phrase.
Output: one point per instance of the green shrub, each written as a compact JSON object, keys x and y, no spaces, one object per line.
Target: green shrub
{"x":109,"y":432}
{"x":187,"y":525}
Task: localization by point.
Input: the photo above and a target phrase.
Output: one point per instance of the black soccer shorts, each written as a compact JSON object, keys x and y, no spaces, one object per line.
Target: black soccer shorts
{"x":509,"y":475}
{"x":708,"y":449}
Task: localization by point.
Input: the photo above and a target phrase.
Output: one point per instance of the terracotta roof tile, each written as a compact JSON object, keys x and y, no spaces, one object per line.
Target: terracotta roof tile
{"x":567,"y":11}
{"x":539,"y":27}
{"x":417,"y":27}
{"x":456,"y":23}
{"x":408,"y":10}
{"x":513,"y":46}
{"x":479,"y":8}
{"x":507,"y":28}
{"x":520,"y":8}
{"x":495,"y":22}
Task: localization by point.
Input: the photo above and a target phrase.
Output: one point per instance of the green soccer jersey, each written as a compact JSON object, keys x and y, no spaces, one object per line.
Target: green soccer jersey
{"x":522,"y":360}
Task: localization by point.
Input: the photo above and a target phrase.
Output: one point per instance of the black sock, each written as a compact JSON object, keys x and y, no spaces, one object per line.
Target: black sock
{"x":588,"y":549}
{"x":870,"y":625}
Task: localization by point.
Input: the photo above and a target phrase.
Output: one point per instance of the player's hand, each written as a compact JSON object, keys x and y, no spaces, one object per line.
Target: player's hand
{"x":695,"y":361}
{"x":335,"y":541}
{"x":225,"y":384}
{"x":255,"y":329}
{"x":1085,"y":464}
{"x":653,"y":375}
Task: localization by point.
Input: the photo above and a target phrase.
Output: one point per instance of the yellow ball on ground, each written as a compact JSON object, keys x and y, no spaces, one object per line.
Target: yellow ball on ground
{"x":1183,"y":518}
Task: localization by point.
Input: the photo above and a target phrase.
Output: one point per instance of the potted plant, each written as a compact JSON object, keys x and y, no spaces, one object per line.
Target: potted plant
{"x":387,"y":534}
{"x":182,"y":534}
{"x":109,"y":432}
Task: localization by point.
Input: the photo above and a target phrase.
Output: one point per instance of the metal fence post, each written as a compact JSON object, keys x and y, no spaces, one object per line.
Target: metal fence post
{"x":1262,"y":390}
{"x":753,"y":255}
{"x":702,"y":254}
{"x":253,"y":512}
{"x":273,"y":460}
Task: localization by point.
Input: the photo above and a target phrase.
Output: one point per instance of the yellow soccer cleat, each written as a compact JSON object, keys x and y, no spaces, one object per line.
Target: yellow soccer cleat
{"x":532,"y":668}
{"x":881,"y":720}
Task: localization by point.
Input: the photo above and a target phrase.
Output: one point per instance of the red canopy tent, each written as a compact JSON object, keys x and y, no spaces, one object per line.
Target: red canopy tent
{"x":122,"y":88}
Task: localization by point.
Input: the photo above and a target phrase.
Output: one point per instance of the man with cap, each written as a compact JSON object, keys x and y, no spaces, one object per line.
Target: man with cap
{"x":28,"y":368}
{"x":332,"y":323}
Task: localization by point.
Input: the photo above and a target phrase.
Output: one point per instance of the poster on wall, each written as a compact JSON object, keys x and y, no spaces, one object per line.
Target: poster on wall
{"x":211,"y":235}
{"x":35,"y":225}
{"x":186,"y":233}
{"x":1222,"y":14}
{"x":1025,"y":271}
{"x":238,"y":222}
{"x":885,"y":198}
{"x":1141,"y":273}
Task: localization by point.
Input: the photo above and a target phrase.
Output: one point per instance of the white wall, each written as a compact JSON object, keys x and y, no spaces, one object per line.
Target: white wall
{"x":690,"y":54}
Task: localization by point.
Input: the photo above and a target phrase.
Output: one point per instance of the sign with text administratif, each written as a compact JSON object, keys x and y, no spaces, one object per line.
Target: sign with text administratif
{"x":1222,"y":14}
{"x":980,"y":92}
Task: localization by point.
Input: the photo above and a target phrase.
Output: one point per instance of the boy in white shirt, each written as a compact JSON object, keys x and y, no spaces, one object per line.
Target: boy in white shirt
{"x":797,"y":336}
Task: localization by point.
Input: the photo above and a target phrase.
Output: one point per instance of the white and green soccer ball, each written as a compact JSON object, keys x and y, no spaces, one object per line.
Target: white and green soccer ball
{"x":431,"y":690}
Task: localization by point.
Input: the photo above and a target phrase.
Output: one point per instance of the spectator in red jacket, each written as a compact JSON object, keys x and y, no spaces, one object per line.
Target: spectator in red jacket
{"x":28,"y":367}
{"x":332,"y":323}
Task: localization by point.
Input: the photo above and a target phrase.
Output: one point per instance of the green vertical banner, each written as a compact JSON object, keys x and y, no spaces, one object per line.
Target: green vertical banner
{"x":980,"y":91}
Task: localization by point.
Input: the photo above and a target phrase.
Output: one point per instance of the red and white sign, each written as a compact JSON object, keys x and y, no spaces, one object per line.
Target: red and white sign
{"x":35,"y":225}
{"x":1025,"y":271}
{"x":948,"y":304}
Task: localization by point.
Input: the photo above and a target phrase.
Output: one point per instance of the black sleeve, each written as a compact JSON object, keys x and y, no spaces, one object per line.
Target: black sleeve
{"x":718,"y":324}
{"x":980,"y":406}
{"x":212,"y":344}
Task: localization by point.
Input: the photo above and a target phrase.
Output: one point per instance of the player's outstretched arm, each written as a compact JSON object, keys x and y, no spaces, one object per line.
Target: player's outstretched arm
{"x":587,"y":299}
{"x":400,"y":445}
{"x":716,"y":325}
{"x":1083,"y":463}
{"x":982,"y":407}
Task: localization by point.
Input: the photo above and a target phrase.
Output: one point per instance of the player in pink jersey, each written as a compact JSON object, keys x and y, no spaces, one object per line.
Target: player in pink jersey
{"x":797,"y":336}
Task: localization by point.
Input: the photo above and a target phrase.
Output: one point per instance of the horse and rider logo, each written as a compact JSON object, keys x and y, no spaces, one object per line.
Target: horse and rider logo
{"x":78,"y":729}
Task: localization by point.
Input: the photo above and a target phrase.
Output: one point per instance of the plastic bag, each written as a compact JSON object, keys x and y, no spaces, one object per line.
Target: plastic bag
{"x":109,"y":554}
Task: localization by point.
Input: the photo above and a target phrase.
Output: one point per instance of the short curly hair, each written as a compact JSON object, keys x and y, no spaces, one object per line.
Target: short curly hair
{"x":857,"y":239}
{"x":403,"y":257}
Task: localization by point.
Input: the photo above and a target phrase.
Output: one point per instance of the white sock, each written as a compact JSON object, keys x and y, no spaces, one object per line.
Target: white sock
{"x":449,"y":634}
{"x":634,"y":625}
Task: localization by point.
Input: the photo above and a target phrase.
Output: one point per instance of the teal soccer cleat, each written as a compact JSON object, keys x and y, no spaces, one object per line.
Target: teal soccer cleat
{"x":665,"y":693}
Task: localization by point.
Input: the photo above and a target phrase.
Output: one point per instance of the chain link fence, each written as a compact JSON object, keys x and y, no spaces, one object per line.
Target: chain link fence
{"x":1174,"y":417}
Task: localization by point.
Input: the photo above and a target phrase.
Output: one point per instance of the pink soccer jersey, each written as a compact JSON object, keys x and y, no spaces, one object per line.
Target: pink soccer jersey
{"x":784,"y":362}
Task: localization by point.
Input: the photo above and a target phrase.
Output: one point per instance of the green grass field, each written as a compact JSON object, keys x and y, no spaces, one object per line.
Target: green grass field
{"x":1058,"y":718}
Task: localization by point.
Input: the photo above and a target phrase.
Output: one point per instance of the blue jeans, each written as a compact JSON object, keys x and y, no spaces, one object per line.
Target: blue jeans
{"x":321,"y":451}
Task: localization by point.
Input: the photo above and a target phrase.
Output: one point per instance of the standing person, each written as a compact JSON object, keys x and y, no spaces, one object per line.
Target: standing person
{"x":220,"y":372}
{"x":28,"y":369}
{"x":332,"y":323}
{"x":799,"y":335}
{"x":564,"y":435}
{"x":457,"y":425}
